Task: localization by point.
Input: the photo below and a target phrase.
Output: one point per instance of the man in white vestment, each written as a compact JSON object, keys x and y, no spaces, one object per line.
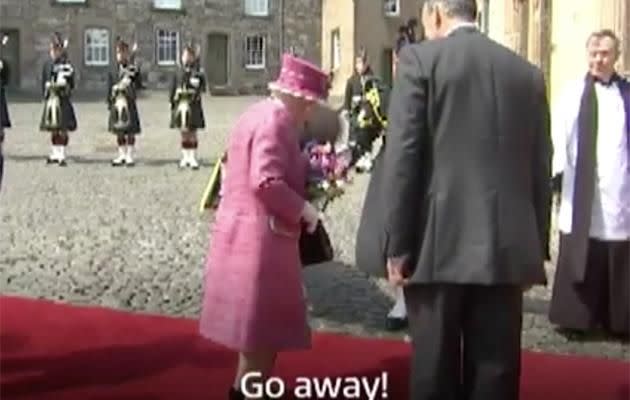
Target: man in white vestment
{"x":591,"y":165}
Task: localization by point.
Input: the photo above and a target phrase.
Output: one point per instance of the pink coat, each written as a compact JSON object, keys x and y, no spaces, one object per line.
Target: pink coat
{"x":253,"y":298}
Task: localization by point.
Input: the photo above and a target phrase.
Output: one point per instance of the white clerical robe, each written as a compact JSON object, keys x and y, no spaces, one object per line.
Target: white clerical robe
{"x":610,"y":218}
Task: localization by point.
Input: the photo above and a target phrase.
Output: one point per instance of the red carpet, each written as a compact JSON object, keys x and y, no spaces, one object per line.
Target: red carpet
{"x":59,"y":352}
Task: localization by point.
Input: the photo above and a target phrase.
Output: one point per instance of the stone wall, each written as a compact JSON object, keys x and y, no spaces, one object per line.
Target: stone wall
{"x":362,"y":24}
{"x":303,"y":27}
{"x":140,"y":20}
{"x":338,"y":15}
{"x":552,"y":34}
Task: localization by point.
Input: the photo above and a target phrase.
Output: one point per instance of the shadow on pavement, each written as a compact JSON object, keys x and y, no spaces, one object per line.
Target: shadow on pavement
{"x":340,"y":295}
{"x":153,"y":162}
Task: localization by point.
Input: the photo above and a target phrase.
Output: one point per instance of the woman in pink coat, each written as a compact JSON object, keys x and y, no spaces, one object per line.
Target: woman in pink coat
{"x":253,"y":299}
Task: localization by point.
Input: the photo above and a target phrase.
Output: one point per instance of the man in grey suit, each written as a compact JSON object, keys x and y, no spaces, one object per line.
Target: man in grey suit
{"x":466,"y":177}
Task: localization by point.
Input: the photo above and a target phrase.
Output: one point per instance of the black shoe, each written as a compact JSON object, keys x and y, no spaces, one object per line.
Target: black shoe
{"x":580,"y":335}
{"x":396,"y":324}
{"x":50,"y":161}
{"x":63,"y":163}
{"x":234,"y":394}
{"x":570,"y":332}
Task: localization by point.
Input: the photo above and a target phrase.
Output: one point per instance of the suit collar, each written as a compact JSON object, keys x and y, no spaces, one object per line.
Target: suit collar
{"x":462,"y":27}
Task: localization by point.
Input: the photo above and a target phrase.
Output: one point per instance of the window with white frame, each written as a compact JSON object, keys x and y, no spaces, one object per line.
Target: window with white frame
{"x":255,"y":48}
{"x":392,"y":8}
{"x":166,"y":47}
{"x":335,"y":48}
{"x":258,"y":8}
{"x":96,"y":47}
{"x":167,"y":4}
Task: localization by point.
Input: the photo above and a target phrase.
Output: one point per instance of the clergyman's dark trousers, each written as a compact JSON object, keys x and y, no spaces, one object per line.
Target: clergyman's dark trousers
{"x":466,"y":341}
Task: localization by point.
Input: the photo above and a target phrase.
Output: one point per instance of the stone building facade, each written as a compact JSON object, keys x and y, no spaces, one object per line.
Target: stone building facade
{"x":349,"y":25}
{"x":241,"y":40}
{"x":552,"y":33}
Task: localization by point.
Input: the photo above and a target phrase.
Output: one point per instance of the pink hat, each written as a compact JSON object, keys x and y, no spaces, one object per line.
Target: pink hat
{"x":300,"y":78}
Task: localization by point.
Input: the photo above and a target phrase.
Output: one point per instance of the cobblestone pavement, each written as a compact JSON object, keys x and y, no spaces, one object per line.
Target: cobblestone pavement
{"x":133,"y":239}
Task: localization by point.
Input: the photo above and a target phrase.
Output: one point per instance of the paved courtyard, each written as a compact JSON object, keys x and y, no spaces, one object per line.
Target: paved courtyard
{"x":133,"y":239}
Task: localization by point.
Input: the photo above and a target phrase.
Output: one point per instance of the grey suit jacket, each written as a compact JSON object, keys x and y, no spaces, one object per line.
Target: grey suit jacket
{"x":467,"y":163}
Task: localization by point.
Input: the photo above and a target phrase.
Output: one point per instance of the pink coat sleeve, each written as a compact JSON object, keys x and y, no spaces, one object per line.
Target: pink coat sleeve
{"x":269,"y":168}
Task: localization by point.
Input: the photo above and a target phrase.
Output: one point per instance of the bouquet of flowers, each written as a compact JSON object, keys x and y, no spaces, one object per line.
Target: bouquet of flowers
{"x":328,"y":172}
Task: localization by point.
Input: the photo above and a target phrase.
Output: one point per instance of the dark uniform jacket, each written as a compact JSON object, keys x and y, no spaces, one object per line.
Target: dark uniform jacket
{"x":113,"y":77}
{"x":186,"y":77}
{"x":354,"y":90}
{"x":50,"y":71}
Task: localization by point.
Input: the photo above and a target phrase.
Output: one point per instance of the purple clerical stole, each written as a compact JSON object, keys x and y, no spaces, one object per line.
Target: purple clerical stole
{"x":624,"y":88}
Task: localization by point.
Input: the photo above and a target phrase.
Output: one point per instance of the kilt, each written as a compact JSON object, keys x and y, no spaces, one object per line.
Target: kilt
{"x":197,"y":119}
{"x":134,"y":120}
{"x":68,"y":118}
{"x":5,"y":120}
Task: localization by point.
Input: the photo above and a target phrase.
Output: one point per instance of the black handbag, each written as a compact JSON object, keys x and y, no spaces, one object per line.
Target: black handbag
{"x":315,"y":247}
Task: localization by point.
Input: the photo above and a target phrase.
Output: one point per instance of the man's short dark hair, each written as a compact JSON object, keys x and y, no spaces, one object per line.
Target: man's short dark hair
{"x":605,"y":33}
{"x":464,"y":9}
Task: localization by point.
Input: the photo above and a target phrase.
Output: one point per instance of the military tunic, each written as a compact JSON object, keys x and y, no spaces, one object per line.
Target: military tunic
{"x":50,"y":72}
{"x":190,"y":78}
{"x":355,"y":103}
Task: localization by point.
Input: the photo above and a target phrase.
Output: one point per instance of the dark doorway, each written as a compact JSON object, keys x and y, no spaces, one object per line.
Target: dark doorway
{"x":217,"y":60}
{"x":10,"y":54}
{"x":387,"y":63}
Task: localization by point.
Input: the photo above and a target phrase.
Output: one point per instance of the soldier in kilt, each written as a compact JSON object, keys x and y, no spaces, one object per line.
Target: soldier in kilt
{"x":364,"y":127}
{"x":122,"y":85}
{"x":58,"y":117}
{"x":5,"y":120}
{"x":187,"y":85}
